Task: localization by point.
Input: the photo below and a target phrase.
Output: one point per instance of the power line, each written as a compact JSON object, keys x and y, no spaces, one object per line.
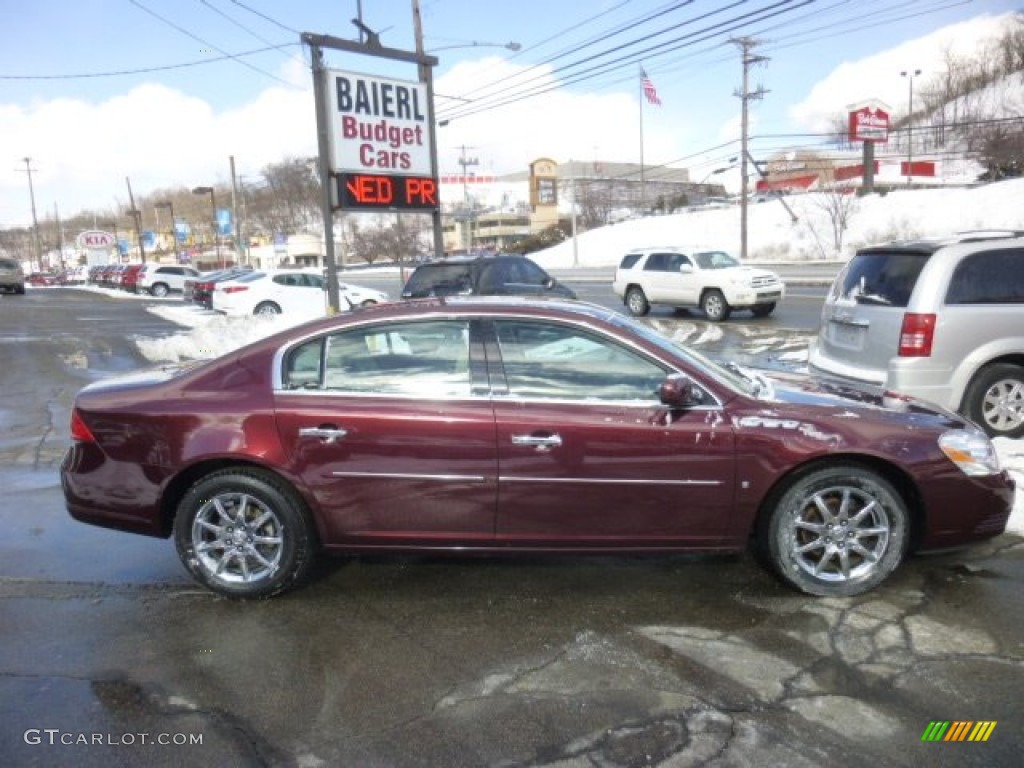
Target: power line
{"x":143,"y":70}
{"x":184,"y":31}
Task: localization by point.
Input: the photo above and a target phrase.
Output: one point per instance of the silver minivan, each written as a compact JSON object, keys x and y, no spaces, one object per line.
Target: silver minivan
{"x":940,"y":321}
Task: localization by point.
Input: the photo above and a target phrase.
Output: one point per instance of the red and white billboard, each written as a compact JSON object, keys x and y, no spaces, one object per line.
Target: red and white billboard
{"x":869,"y":123}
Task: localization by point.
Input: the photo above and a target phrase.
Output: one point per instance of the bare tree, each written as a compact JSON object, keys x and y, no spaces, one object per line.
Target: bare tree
{"x":839,"y":205}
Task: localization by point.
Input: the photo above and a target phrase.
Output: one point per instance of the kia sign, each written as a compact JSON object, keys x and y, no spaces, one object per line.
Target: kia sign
{"x":95,"y":239}
{"x":377,"y":125}
{"x":869,"y":123}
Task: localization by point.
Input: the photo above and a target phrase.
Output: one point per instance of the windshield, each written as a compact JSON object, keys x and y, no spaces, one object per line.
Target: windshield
{"x":715,"y":260}
{"x":734,"y":377}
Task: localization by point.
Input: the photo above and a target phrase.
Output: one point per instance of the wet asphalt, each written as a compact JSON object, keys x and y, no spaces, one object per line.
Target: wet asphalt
{"x":107,"y":649}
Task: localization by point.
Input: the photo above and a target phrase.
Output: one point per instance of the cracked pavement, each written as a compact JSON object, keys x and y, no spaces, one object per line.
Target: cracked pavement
{"x":540,"y":662}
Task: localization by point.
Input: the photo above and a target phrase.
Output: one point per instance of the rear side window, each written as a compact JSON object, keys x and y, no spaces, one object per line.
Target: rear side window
{"x":629,"y":260}
{"x":989,"y":277}
{"x":439,"y":280}
{"x":880,"y":277}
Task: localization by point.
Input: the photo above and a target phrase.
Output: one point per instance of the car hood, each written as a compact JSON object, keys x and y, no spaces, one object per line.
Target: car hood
{"x":848,"y":400}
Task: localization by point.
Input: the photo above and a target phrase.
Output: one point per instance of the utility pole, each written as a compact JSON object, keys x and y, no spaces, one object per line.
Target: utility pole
{"x":136,"y":214}
{"x":468,"y":221}
{"x":60,"y":236}
{"x":749,"y":59}
{"x":35,"y":222}
{"x":234,"y":212}
{"x":426,"y":76}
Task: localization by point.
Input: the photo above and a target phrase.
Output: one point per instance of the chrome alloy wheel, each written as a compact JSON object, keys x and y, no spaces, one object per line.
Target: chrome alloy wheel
{"x":1002,"y":406}
{"x":237,"y":539}
{"x":838,"y":534}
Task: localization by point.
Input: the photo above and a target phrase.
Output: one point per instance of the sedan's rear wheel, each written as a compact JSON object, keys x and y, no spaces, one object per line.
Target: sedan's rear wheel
{"x":715,"y":307}
{"x":636,"y":302}
{"x":836,"y":532}
{"x":267,"y":309}
{"x":995,"y":400}
{"x":244,"y":533}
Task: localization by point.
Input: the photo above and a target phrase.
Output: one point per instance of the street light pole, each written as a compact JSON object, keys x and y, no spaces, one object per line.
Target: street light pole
{"x":213,"y":207}
{"x":910,"y":75}
{"x":174,"y":234}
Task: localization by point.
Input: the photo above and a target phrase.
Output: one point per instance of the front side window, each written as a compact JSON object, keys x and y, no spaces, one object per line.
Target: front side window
{"x":554,"y":361}
{"x":990,"y":277}
{"x":420,"y":359}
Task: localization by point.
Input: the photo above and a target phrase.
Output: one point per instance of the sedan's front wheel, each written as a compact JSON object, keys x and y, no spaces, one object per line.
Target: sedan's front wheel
{"x":836,"y":532}
{"x":244,"y":533}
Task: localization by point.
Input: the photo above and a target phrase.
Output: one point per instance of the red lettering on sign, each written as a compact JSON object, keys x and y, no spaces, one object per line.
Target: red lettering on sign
{"x":420,"y":191}
{"x":377,"y":190}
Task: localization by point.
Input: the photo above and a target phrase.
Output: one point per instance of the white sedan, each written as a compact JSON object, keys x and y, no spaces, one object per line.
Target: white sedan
{"x":291,"y":292}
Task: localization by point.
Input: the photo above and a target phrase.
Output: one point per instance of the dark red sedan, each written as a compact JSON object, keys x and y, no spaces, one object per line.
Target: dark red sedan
{"x":526,"y":425}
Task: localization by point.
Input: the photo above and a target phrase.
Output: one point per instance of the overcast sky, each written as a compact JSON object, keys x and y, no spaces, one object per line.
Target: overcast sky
{"x":164,"y":92}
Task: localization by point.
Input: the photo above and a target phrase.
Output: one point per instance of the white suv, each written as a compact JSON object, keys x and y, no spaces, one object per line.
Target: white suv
{"x":707,"y":278}
{"x":940,"y":321}
{"x":159,"y":280}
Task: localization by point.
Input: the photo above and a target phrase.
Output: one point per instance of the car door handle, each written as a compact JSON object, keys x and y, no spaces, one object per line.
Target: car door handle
{"x":541,"y":442}
{"x":326,"y":432}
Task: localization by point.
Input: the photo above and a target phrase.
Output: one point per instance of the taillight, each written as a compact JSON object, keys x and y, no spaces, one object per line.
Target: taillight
{"x":80,"y":432}
{"x":916,"y":335}
{"x":236,"y":288}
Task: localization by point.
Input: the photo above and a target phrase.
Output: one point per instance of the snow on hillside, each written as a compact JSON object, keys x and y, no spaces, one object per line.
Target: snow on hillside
{"x":773,"y":236}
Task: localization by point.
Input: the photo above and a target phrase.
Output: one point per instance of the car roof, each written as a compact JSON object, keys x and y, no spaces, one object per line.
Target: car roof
{"x":929,"y":246}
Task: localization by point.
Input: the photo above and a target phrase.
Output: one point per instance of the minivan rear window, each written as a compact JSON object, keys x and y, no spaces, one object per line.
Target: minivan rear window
{"x":989,"y":277}
{"x":884,"y":278}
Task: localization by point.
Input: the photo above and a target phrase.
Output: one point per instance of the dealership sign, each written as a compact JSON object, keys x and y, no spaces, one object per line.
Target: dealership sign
{"x":869,"y":123}
{"x":94,"y":238}
{"x":379,"y":142}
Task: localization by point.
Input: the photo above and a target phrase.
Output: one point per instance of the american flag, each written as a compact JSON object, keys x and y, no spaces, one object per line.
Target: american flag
{"x":649,"y":90}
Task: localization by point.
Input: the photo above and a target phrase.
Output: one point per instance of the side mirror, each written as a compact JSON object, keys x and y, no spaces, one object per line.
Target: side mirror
{"x":686,"y":269}
{"x":679,"y":391}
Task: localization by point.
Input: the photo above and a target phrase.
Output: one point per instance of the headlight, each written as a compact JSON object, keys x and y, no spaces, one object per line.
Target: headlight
{"x":971,"y":451}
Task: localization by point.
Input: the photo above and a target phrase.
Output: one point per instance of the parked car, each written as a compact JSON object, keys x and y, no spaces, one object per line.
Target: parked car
{"x":41,"y":279}
{"x":488,"y":275}
{"x":12,"y":277}
{"x":129,"y":277}
{"x":199,"y":290}
{"x":160,"y":279}
{"x":694,"y":276}
{"x":294,"y":292}
{"x":528,"y":426}
{"x":937,"y":320}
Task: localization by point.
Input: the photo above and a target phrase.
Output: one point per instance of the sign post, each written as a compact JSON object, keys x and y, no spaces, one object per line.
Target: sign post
{"x":375,"y":140}
{"x":868,"y":123}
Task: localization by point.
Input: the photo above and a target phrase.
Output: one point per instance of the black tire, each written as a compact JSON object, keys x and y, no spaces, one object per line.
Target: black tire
{"x":995,"y":400}
{"x":267,"y":309}
{"x":159,"y":290}
{"x":636,"y":302}
{"x":243,"y":533}
{"x":714,"y":305}
{"x":763,"y":310}
{"x":20,"y":290}
{"x":845,"y":522}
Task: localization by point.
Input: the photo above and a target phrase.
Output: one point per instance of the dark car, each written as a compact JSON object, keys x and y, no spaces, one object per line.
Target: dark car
{"x":199,"y":290}
{"x":490,"y":275}
{"x":518,"y":426}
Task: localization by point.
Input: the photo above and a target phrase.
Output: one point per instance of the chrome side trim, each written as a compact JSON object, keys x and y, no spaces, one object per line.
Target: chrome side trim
{"x":414,"y":476}
{"x":603,"y":481}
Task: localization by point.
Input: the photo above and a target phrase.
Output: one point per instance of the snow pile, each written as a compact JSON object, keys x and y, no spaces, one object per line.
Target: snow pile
{"x":774,"y":236}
